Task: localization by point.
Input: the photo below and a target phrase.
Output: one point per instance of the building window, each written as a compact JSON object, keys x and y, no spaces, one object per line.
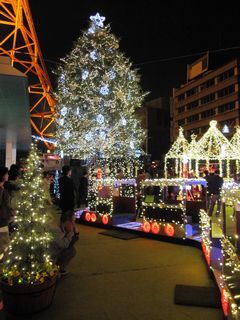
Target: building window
{"x":226,"y":75}
{"x":195,"y":131}
{"x":208,"y":113}
{"x":226,"y":107}
{"x":193,"y":118}
{"x":192,"y":105}
{"x":181,"y":122}
{"x":226,"y":91}
{"x":192,"y":91}
{"x":210,"y":97}
{"x":181,"y":109}
{"x":204,"y":129}
{"x":207,"y":84}
{"x":180,"y":97}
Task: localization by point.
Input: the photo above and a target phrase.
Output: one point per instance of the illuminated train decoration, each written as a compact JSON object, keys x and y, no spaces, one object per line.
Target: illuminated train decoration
{"x":176,"y":208}
{"x":111,"y":199}
{"x":171,"y":206}
{"x":220,"y":237}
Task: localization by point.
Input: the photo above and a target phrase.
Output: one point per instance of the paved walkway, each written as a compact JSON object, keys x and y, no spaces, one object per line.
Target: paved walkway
{"x":114,"y":279}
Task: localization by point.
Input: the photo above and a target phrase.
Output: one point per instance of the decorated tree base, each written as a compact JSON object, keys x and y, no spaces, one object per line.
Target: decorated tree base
{"x":27,"y":299}
{"x":28,"y":275}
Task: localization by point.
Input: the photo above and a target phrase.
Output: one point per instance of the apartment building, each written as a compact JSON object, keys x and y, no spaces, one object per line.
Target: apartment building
{"x":208,"y":95}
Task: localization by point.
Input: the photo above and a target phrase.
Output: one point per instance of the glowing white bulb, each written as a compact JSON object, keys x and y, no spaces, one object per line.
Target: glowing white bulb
{"x":63,"y":111}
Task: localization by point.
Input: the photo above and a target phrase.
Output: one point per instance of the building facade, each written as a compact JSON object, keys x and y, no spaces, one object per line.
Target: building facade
{"x":15,"y":128}
{"x":210,"y":95}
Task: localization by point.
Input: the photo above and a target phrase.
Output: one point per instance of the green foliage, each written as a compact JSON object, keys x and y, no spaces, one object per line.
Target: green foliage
{"x":27,"y":259}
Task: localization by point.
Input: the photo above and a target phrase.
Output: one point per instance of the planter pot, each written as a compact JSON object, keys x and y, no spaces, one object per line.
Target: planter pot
{"x":28,"y":299}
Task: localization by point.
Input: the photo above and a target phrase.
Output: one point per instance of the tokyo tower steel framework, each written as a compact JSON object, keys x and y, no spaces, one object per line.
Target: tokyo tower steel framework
{"x":18,"y":40}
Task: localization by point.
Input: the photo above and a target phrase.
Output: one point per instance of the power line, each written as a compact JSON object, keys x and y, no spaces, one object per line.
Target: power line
{"x":186,"y":56}
{"x":153,"y":61}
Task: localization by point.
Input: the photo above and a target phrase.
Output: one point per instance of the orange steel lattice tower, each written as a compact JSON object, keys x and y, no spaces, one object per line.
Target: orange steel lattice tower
{"x":18,"y":40}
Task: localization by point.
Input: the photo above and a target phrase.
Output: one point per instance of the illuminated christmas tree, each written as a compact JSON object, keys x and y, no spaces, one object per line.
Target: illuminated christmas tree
{"x":98,"y":93}
{"x":27,"y":259}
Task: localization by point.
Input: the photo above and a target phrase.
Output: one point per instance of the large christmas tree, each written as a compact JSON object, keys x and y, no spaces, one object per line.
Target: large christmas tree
{"x":98,"y":94}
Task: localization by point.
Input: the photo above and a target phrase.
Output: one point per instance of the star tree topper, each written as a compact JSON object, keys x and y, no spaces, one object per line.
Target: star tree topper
{"x":97,"y":20}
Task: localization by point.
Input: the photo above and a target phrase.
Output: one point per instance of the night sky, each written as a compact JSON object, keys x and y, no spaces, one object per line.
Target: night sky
{"x":151,"y":33}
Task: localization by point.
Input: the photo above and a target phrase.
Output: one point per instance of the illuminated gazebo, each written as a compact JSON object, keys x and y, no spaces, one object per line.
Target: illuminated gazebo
{"x":235,"y":142}
{"x":214,"y":149}
{"x":177,"y":154}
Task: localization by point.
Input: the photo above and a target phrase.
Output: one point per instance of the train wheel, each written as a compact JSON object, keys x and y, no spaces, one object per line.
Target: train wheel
{"x":155,"y":228}
{"x":105,"y":219}
{"x":146,"y":226}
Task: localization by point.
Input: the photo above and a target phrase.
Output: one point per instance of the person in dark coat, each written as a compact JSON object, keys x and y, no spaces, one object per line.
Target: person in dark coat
{"x":66,"y":190}
{"x":214,"y":187}
{"x":13,"y":175}
{"x":83,"y":189}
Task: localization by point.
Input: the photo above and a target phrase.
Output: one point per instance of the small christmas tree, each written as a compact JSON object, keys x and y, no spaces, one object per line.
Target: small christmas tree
{"x":27,"y":259}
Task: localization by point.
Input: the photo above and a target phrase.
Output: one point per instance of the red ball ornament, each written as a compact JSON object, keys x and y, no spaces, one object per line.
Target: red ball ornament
{"x":169,"y":230}
{"x":146,"y":226}
{"x":105,"y":219}
{"x":87,"y":216}
{"x":93,"y":217}
{"x":155,"y":227}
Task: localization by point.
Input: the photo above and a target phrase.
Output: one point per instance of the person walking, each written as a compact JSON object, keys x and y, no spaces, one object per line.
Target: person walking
{"x":214,"y":188}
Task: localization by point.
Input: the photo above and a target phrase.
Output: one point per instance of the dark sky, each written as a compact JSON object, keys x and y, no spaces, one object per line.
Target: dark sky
{"x":149,"y":30}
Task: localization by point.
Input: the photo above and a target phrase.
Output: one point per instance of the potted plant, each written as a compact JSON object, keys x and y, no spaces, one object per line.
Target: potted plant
{"x":28,"y":276}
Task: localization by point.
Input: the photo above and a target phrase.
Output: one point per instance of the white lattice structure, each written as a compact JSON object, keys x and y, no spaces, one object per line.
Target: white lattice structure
{"x":214,"y":147}
{"x":177,"y":153}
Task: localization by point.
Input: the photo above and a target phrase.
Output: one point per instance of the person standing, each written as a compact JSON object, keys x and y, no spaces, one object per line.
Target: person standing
{"x":6,"y":213}
{"x":13,"y":175}
{"x":214,"y":188}
{"x":12,"y":184}
{"x":46,"y":184}
{"x":66,"y":190}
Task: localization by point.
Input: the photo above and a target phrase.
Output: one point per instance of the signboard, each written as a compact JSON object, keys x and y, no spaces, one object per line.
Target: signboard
{"x":197,"y":67}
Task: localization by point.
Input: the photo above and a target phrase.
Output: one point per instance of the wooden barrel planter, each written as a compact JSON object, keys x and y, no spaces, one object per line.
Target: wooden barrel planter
{"x":28,"y":299}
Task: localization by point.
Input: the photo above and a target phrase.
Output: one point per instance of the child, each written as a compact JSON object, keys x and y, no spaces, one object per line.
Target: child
{"x":67,"y":223}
